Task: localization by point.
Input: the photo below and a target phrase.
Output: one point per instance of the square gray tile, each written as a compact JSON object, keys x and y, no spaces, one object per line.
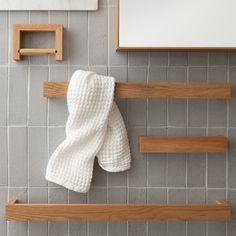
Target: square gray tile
{"x":197,"y":58}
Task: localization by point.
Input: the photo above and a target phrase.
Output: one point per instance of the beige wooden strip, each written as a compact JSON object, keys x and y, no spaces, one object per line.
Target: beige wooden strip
{"x":118,"y":212}
{"x":59,"y":43}
{"x":37,"y":27}
{"x":16,"y":44}
{"x":160,"y":90}
{"x":173,"y":144}
{"x":37,"y":51}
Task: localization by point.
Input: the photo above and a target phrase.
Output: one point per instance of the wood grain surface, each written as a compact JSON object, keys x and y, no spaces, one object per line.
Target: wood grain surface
{"x":174,"y":144}
{"x":37,"y":51}
{"x":159,"y":90}
{"x":118,"y":212}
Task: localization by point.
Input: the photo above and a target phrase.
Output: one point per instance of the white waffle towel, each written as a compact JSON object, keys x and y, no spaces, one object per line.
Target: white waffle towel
{"x":94,"y":127}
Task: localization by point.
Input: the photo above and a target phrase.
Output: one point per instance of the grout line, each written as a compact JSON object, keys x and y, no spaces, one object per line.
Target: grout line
{"x":118,"y":186}
{"x":103,"y":65}
{"x":108,"y":73}
{"x":227,"y":155}
{"x":27,"y":123}
{"x":7,"y":118}
{"x":88,"y":62}
{"x":68,"y":79}
{"x":187,"y":133}
{"x":127,"y":125}
{"x":147,"y":131}
{"x":122,"y":187}
{"x":48,"y":122}
{"x":133,"y":127}
{"x":88,"y":37}
{"x":167,"y":133}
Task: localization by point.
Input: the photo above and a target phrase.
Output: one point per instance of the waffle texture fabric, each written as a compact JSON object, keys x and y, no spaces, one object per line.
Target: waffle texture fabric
{"x":95,"y":128}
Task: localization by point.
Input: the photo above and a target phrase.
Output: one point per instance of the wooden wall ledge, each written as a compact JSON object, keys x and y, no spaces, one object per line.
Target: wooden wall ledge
{"x":173,"y":144}
{"x":159,"y":90}
{"x":220,"y":211}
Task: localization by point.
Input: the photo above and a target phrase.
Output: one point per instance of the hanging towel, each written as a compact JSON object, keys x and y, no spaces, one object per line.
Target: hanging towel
{"x":94,"y":128}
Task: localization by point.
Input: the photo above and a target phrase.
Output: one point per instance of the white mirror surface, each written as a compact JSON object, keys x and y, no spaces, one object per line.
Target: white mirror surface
{"x":42,"y":5}
{"x":177,"y":24}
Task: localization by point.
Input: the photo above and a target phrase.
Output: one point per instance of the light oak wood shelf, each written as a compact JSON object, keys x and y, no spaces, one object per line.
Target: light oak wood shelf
{"x":220,"y":211}
{"x":158,"y":90}
{"x":178,"y":144}
{"x":19,"y":29}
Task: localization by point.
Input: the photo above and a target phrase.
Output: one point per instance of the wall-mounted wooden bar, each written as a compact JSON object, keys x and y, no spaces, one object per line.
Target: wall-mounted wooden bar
{"x":173,"y":144}
{"x":118,"y":212}
{"x":159,"y":90}
{"x":37,"y":51}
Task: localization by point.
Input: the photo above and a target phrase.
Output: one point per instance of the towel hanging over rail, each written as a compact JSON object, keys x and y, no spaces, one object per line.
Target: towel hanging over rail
{"x":94,"y":128}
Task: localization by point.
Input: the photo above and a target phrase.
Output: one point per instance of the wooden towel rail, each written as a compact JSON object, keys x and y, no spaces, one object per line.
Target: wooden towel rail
{"x":178,"y":144}
{"x":158,"y":90}
{"x":220,"y":211}
{"x":37,"y":51}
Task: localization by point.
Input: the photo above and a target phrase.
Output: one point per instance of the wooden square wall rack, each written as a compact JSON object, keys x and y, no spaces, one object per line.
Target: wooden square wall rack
{"x":18,"y":52}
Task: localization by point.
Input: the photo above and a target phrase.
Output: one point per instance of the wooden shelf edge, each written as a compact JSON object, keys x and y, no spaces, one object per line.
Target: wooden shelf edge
{"x":38,"y":27}
{"x":155,"y":90}
{"x":183,"y":144}
{"x":220,"y":211}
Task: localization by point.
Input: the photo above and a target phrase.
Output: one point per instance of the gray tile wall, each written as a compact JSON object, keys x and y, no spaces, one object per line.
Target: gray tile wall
{"x":31,"y":127}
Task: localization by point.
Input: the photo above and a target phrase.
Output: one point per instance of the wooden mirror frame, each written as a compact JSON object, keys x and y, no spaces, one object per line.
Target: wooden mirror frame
{"x":194,"y":49}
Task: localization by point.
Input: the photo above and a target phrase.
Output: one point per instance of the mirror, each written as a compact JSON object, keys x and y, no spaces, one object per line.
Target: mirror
{"x":176,"y":25}
{"x":41,"y":5}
